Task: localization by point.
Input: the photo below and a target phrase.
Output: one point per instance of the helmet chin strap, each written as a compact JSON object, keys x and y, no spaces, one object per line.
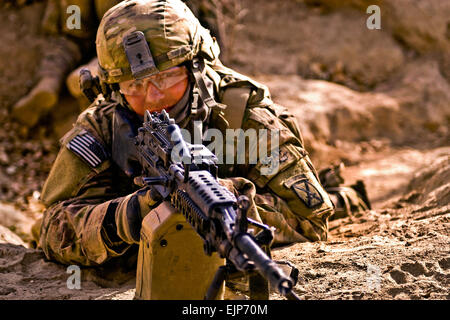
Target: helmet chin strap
{"x":117,"y":96}
{"x":198,"y":71}
{"x":202,"y":98}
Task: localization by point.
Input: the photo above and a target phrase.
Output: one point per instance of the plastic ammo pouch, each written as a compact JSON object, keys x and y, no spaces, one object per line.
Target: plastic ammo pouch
{"x":171,"y":262}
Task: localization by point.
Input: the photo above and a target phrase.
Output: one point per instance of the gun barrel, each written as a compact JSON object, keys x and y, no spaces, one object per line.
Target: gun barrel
{"x":266,"y":266}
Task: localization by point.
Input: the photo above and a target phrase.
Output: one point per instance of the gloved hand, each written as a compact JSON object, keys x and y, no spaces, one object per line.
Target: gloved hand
{"x":131,"y":210}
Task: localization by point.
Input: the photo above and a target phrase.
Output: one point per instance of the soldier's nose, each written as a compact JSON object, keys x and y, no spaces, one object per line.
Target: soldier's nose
{"x":153,"y":93}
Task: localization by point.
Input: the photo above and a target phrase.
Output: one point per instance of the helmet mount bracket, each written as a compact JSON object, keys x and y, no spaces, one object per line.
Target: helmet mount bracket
{"x":139,"y":55}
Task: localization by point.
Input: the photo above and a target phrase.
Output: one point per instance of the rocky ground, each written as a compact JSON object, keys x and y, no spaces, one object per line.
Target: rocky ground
{"x":376,"y":100}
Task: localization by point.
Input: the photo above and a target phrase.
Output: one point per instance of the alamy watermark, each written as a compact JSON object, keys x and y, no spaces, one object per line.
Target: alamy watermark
{"x":373,"y":280}
{"x":74,"y":20}
{"x":74,"y":280}
{"x":374,"y":20}
{"x":238,"y":146}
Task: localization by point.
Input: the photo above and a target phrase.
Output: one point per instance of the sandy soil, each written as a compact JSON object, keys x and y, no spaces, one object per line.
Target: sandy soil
{"x":398,"y":250}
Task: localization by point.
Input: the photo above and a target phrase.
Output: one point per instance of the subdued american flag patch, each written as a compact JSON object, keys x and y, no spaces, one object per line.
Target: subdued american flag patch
{"x":88,"y":149}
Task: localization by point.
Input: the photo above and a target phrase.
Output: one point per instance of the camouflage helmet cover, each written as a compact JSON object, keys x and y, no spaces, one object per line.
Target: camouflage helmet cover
{"x":173,"y":33}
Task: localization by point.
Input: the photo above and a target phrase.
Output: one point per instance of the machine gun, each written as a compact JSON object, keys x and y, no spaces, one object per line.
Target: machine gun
{"x":186,"y":175}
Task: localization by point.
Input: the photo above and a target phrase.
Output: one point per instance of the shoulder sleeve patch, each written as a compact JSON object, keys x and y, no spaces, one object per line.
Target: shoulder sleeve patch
{"x":307,"y":193}
{"x":88,"y":148}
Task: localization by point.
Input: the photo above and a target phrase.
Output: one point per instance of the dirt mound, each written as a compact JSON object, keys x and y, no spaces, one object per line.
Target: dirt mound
{"x":377,"y":267}
{"x":422,"y":26}
{"x":334,"y":118}
{"x":25,"y":275}
{"x":329,"y":40}
{"x":295,"y":39}
{"x":388,"y":174}
{"x":430,"y":187}
{"x":423,"y":95}
{"x":400,"y":252}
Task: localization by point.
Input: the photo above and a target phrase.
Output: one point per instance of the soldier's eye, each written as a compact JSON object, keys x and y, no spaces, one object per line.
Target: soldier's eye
{"x":138,"y":84}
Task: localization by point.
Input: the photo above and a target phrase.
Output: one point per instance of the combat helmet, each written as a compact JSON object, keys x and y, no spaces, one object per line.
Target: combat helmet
{"x":139,"y":38}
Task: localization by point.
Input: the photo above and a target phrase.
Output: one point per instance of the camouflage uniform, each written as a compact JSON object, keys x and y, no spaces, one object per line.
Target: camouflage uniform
{"x":348,"y":200}
{"x":86,"y":194}
{"x":65,"y":50}
{"x":55,"y":25}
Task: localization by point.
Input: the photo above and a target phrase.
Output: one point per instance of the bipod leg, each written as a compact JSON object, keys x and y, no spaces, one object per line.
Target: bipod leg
{"x":259,"y":287}
{"x":216,"y":284}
